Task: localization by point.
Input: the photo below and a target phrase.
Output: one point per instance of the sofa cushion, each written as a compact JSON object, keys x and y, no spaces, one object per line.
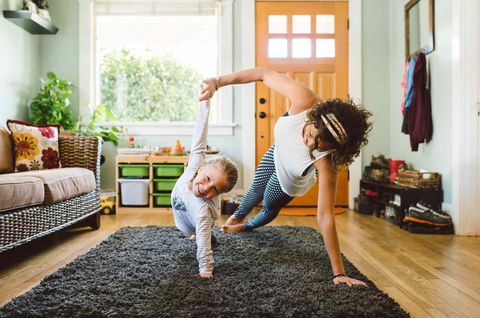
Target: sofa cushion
{"x":18,"y":191}
{"x":62,"y":184}
{"x":6,"y":150}
{"x":36,"y":147}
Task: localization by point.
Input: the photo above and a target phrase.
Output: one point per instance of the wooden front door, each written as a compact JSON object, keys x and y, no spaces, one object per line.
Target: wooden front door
{"x":307,"y":41}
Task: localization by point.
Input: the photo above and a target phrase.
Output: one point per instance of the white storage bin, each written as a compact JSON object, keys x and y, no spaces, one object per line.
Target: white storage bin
{"x":134,"y":191}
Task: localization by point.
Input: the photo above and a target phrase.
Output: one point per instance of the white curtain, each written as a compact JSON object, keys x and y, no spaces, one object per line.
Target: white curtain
{"x":154,"y":7}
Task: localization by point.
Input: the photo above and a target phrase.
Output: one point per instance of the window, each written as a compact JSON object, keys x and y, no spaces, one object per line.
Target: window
{"x":146,"y":59}
{"x":149,"y":68}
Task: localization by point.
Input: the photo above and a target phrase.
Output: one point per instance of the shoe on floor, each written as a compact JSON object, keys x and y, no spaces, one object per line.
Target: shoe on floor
{"x":426,"y":206}
{"x":429,"y":216}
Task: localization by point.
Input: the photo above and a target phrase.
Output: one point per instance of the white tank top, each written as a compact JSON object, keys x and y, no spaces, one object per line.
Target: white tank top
{"x":292,"y":156}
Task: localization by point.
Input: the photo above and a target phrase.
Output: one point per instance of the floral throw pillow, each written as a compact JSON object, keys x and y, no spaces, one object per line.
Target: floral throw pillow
{"x":35,"y":147}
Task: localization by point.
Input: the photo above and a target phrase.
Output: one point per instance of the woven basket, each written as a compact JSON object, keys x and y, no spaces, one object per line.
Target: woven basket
{"x":415,"y":179}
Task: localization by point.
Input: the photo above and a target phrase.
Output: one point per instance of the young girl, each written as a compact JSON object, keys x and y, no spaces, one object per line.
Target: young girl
{"x":195,"y":195}
{"x":314,"y":136}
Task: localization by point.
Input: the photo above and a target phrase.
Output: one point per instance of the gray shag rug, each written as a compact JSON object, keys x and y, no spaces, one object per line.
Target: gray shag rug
{"x":150,"y":272}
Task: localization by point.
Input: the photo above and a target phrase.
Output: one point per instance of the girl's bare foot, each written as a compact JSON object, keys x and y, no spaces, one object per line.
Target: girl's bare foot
{"x":233,"y":220}
{"x":193,"y":237}
{"x":233,"y":228}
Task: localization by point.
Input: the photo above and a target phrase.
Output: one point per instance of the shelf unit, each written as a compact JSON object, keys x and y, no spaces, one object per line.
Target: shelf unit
{"x":31,"y":22}
{"x":151,"y":160}
{"x":408,"y":196}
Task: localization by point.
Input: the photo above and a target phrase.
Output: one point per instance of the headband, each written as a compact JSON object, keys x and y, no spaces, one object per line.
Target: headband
{"x":342,"y":136}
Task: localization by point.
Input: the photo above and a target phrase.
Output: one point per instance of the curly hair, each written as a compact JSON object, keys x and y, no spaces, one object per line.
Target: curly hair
{"x":354,"y":119}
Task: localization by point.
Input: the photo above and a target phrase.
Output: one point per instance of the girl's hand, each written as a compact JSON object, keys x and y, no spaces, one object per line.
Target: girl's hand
{"x":205,"y":275}
{"x":349,"y":281}
{"x":207,"y":89}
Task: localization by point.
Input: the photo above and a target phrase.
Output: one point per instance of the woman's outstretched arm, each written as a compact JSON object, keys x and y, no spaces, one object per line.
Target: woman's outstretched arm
{"x":302,"y":97}
{"x":327,"y":189}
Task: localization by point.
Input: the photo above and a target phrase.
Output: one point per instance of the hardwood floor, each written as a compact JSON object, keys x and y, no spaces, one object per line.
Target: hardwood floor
{"x":428,"y":275}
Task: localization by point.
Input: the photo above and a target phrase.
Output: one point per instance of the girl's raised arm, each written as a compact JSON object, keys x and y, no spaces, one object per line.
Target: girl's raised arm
{"x":199,"y":140}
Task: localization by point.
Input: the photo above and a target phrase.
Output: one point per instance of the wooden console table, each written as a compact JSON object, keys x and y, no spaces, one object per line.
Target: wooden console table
{"x":408,"y":196}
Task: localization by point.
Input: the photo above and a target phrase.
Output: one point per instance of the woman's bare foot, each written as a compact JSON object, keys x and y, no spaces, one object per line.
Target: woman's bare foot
{"x":233,"y":228}
{"x":233,"y":220}
{"x":193,"y":237}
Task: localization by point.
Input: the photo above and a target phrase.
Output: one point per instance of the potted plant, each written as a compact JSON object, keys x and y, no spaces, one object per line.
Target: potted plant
{"x":52,"y":104}
{"x":98,"y":115}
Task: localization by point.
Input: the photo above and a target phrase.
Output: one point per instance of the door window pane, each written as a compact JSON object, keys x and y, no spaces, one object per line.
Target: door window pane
{"x":277,"y":48}
{"x":301,"y":48}
{"x":301,"y":24}
{"x":325,"y":48}
{"x":277,"y":24}
{"x":325,"y":24}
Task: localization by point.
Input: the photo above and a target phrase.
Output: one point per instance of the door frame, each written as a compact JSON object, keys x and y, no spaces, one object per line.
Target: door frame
{"x":248,"y":95}
{"x":465,"y":130}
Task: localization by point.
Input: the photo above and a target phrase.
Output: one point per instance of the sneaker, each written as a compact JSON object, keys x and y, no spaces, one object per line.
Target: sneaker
{"x":436,"y":208}
{"x":425,"y":206}
{"x":429,"y":216}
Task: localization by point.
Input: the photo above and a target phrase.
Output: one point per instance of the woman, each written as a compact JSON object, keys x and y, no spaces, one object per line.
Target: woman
{"x":315,"y":134}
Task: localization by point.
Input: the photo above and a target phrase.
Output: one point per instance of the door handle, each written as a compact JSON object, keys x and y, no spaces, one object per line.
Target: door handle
{"x":262,"y":115}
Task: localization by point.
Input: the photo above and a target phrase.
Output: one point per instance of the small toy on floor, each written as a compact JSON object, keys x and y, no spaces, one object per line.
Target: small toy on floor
{"x":231,"y":205}
{"x":107,"y":202}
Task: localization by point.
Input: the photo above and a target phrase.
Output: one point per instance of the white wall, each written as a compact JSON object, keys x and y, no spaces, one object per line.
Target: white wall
{"x":435,"y":155}
{"x":19,"y":65}
{"x":383,"y":67}
{"x":59,"y":53}
{"x":375,"y":75}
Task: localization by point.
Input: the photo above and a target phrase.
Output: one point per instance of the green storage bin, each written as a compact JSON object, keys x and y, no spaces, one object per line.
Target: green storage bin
{"x":162,"y":199}
{"x":134,"y":170}
{"x":164,"y":184}
{"x":168,"y":170}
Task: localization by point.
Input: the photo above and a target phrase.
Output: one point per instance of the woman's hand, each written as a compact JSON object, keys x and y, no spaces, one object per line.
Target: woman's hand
{"x":205,"y":275}
{"x":207,"y":89}
{"x":349,"y":281}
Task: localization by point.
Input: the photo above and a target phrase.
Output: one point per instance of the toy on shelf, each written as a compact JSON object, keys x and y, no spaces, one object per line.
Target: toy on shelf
{"x":131,"y":144}
{"x":236,"y":198}
{"x":212,"y":150}
{"x":177,"y":149}
{"x":231,"y":205}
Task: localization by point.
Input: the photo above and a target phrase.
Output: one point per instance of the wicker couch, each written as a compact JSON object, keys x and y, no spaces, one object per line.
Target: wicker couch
{"x":36,"y":203}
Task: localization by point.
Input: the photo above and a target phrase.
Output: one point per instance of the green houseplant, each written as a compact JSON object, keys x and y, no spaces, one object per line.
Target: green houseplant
{"x":52,"y":104}
{"x":98,"y":115}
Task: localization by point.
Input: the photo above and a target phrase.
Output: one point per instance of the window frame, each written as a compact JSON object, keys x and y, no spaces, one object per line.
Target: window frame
{"x":88,"y":75}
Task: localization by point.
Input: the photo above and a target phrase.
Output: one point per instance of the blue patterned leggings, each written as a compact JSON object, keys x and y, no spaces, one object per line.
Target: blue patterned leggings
{"x":265,"y":187}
